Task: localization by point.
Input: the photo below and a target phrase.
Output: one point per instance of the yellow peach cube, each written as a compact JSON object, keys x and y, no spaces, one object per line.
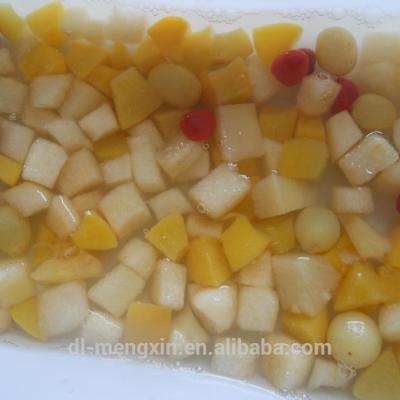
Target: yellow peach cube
{"x":44,"y":246}
{"x":361,"y":287}
{"x":231,"y":84}
{"x":168,"y":121}
{"x":169,"y":236}
{"x":45,"y":23}
{"x":197,"y":50}
{"x":168,"y":34}
{"x":10,"y":170}
{"x":310,"y":127}
{"x":206,"y":262}
{"x":278,"y":123}
{"x":82,"y":57}
{"x":272,"y":40}
{"x":42,"y":60}
{"x":390,"y":278}
{"x":342,"y":254}
{"x":94,"y":233}
{"x":280,"y":230}
{"x":100,"y":78}
{"x":303,"y":158}
{"x":242,"y":243}
{"x":111,"y":147}
{"x":119,"y":56}
{"x":11,"y":24}
{"x":147,"y":56}
{"x":25,"y":315}
{"x":208,"y":96}
{"x":304,"y":328}
{"x":147,"y":323}
{"x":134,"y":98}
{"x":393,"y":257}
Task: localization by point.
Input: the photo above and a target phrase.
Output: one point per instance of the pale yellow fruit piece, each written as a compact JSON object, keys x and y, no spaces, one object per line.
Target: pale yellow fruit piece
{"x":227,"y":46}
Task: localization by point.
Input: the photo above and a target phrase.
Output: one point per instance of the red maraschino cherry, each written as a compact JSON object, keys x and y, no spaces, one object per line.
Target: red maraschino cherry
{"x":346,"y":97}
{"x":291,"y":67}
{"x":198,"y":125}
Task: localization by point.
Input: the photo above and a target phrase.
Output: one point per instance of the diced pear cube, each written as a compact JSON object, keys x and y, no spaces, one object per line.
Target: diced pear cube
{"x":304,"y":283}
{"x":317,"y":93}
{"x":74,"y":19}
{"x":380,"y":46}
{"x":303,"y":158}
{"x":37,"y":118}
{"x":62,"y":218}
{"x":206,"y":262}
{"x":140,"y":256}
{"x":230,"y":361}
{"x":15,"y":232}
{"x":111,"y":147}
{"x":88,"y":201}
{"x":145,"y":169}
{"x":11,"y":24}
{"x":381,"y":380}
{"x":197,"y":50}
{"x":168,"y":285}
{"x":147,"y":323}
{"x":361,"y":287}
{"x":49,"y":91}
{"x":273,"y":39}
{"x":134,"y":98}
{"x":284,"y":195}
{"x":15,"y":284}
{"x":231,"y":84}
{"x":278,"y":123}
{"x":200,"y":225}
{"x":7,"y":66}
{"x":117,"y":289}
{"x":28,"y":198}
{"x":215,"y":307}
{"x":352,"y":200}
{"x":272,"y":155}
{"x":169,"y":34}
{"x":229,"y":45}
{"x":68,"y":134}
{"x":369,"y":243}
{"x":39,"y":59}
{"x":61,"y":270}
{"x":12,"y":95}
{"x":93,"y":233}
{"x":80,"y":173}
{"x":388,"y":181}
{"x":100,"y":327}
{"x":147,"y":56}
{"x":179,"y":155}
{"x":238,"y":132}
{"x":149,"y":129}
{"x":169,"y":236}
{"x":186,"y":330}
{"x":44,"y":162}
{"x":5,"y":320}
{"x":327,"y":373}
{"x":169,"y":202}
{"x":220,"y":191}
{"x":10,"y":171}
{"x":99,"y":123}
{"x":199,"y":169}
{"x":389,"y":317}
{"x":62,"y":309}
{"x":288,"y":370}
{"x":264,"y":84}
{"x":258,"y":309}
{"x":81,"y":100}
{"x":304,"y":328}
{"x":94,"y":31}
{"x":126,"y":24}
{"x":125,"y":209}
{"x":26,"y":316}
{"x":371,"y":156}
{"x":242,"y":243}
{"x":117,"y":171}
{"x":82,"y":57}
{"x":15,"y":140}
{"x":258,"y":273}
